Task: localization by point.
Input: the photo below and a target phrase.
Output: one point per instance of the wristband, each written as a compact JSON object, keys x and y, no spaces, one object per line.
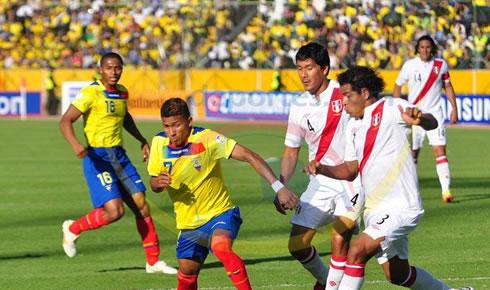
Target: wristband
{"x":277,"y":185}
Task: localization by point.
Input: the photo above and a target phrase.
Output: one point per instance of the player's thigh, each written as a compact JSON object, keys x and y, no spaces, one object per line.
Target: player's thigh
{"x":363,"y":248}
{"x":126,"y":172}
{"x":394,"y":227}
{"x":101,"y":180}
{"x":315,"y":210}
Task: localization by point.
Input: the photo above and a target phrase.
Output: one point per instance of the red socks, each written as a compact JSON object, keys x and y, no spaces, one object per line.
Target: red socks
{"x":91,"y":221}
{"x":186,"y":282}
{"x":234,"y":266}
{"x":149,"y":236}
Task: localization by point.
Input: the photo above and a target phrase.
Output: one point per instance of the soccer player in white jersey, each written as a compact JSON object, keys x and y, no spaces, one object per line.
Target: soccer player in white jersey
{"x":318,"y":118}
{"x":426,"y":76}
{"x":379,"y":151}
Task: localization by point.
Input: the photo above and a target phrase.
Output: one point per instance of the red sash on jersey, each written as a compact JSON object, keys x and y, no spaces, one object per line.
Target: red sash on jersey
{"x":371,"y":134}
{"x":434,"y":73}
{"x":335,"y":109}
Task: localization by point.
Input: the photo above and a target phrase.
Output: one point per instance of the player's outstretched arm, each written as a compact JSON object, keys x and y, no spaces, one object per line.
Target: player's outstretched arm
{"x":66,"y":127}
{"x":288,"y":163}
{"x":347,"y":170}
{"x":285,"y":198}
{"x":130,"y":126}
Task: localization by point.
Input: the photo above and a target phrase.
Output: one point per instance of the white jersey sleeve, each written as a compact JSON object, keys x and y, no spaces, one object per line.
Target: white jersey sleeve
{"x":295,"y":133}
{"x":403,"y":75}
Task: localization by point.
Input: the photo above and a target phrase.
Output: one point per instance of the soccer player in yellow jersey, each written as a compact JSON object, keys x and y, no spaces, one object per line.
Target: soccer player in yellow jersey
{"x":110,"y":175}
{"x":185,"y":161}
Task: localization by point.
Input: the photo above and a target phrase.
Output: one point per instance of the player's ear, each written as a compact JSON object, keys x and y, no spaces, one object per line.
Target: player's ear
{"x":190,"y":122}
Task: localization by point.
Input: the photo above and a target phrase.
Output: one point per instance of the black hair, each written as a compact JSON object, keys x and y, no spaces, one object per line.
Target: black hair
{"x":174,"y":107}
{"x":315,"y":51}
{"x":433,"y":49}
{"x":111,"y":55}
{"x":363,"y":77}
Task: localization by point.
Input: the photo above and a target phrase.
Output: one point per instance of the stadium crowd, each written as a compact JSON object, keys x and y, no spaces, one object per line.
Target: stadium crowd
{"x":231,"y":34}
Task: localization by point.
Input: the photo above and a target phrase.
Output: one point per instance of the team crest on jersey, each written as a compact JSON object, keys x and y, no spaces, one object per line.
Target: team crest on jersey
{"x":337,"y":106}
{"x":196,"y":162}
{"x":376,"y":120}
{"x":436,"y":70}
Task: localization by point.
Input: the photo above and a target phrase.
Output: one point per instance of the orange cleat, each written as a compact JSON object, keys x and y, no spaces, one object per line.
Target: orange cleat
{"x":447,"y":197}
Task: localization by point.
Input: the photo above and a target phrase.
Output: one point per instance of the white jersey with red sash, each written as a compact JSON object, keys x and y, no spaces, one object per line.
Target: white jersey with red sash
{"x":321,"y":124}
{"x":382,"y":149}
{"x":425,"y":81}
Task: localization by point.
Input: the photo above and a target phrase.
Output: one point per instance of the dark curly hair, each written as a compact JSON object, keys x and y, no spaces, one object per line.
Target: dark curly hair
{"x":316,"y":52}
{"x":363,"y":77}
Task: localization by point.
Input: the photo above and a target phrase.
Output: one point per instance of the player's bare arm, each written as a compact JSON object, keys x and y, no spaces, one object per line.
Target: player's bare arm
{"x":286,"y":198}
{"x":414,"y":116}
{"x":160,"y":182}
{"x":288,"y":163}
{"x":451,"y":97}
{"x":347,"y":170}
{"x":66,"y":127}
{"x":397,"y":91}
{"x":130,"y":126}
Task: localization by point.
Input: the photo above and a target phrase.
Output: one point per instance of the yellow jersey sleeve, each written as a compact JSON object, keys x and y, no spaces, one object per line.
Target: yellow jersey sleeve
{"x":84,"y":100}
{"x":219,"y":145}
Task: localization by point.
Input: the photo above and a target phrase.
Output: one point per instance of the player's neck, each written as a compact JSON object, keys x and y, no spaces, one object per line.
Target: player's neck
{"x":321,"y":89}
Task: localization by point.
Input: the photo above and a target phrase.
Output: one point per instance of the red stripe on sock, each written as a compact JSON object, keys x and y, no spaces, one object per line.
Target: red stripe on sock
{"x":440,"y":161}
{"x":336,"y":267}
{"x":339,"y":258}
{"x":354,"y":270}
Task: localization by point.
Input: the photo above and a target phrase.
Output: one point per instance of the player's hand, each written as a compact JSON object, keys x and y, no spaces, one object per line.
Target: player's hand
{"x":146,"y":152}
{"x":312,"y":167}
{"x":80,"y":150}
{"x":161,"y":181}
{"x":410,"y":115}
{"x":279,"y":207}
{"x":286,"y":200}
{"x":454,"y":117}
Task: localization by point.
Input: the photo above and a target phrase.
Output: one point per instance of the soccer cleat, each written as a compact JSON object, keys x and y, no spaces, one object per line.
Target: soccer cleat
{"x":160,"y":267}
{"x":318,"y":286}
{"x":447,"y":197}
{"x":69,"y":239}
{"x":463,"y":288}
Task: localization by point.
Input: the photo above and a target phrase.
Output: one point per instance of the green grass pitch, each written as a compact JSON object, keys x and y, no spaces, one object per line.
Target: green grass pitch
{"x":41,"y":184}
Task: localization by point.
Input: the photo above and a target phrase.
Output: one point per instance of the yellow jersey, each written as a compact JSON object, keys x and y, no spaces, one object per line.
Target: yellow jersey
{"x":103,"y":114}
{"x":197,"y":190}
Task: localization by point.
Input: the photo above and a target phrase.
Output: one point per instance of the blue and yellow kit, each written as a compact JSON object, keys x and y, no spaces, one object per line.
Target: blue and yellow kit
{"x":197,"y":190}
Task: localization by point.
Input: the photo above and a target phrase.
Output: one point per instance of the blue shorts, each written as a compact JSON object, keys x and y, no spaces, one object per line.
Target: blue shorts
{"x":109,"y":173}
{"x":195,"y":244}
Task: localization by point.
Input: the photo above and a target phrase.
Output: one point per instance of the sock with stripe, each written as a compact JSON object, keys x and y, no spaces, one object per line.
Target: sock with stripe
{"x":314,"y":264}
{"x":149,"y":237}
{"x":353,"y":276}
{"x":442,"y":168}
{"x":186,"y":282}
{"x":91,"y":221}
{"x":234,"y":266}
{"x":419,"y":279}
{"x":335,"y":272}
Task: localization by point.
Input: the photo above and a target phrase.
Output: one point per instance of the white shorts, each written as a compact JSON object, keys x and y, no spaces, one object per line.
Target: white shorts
{"x":394,"y":227}
{"x":319,"y":208}
{"x":436,"y":136}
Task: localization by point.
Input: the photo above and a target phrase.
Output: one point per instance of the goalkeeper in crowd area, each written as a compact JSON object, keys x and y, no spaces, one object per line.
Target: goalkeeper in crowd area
{"x":111,"y":177}
{"x":185,"y":161}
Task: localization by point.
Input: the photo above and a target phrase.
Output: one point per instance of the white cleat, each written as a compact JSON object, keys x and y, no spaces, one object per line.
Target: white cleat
{"x":69,"y":239}
{"x":463,"y":288}
{"x":160,"y":267}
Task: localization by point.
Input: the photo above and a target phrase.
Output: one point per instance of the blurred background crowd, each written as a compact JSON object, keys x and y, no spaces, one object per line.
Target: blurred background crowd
{"x":238,"y":34}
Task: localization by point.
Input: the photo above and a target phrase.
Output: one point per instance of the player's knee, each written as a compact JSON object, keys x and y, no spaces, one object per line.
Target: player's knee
{"x":357,"y":254}
{"x":114,"y":213}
